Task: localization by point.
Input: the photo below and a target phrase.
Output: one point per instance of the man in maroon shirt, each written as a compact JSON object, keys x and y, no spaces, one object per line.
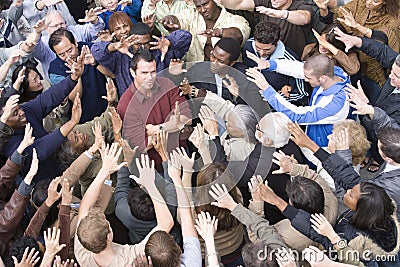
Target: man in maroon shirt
{"x":147,"y":105}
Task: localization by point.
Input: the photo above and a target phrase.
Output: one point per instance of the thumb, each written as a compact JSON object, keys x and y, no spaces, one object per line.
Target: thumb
{"x":277,"y":172}
{"x":15,"y":260}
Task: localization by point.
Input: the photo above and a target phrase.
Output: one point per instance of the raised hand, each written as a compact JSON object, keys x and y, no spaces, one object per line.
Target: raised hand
{"x":348,"y":18}
{"x":161,"y":44}
{"x":76,"y":109}
{"x":299,"y":136}
{"x":129,"y":153}
{"x":149,"y":20}
{"x":283,"y":161}
{"x":261,"y":63}
{"x":147,"y":173}
{"x":29,"y":259}
{"x":185,"y":87}
{"x":28,"y":139}
{"x":105,"y":35}
{"x":110,"y":156}
{"x":40,"y":26}
{"x":206,"y":226}
{"x":348,"y":40}
{"x":51,"y":2}
{"x":174,"y":166}
{"x":231,"y":85}
{"x":186,"y":162}
{"x":66,"y":193}
{"x":160,"y":144}
{"x":209,"y":120}
{"x":33,"y":169}
{"x":285,"y":91}
{"x":285,"y":258}
{"x":358,"y":92}
{"x":11,"y":105}
{"x":124,"y":3}
{"x":176,"y":67}
{"x":223,"y":198}
{"x":111,"y":91}
{"x":176,"y":118}
{"x":88,"y":58}
{"x":254,"y":186}
{"x":98,"y":138}
{"x":117,"y":124}
{"x":198,"y":137}
{"x":271,"y":12}
{"x":342,"y":139}
{"x":316,"y":257}
{"x":91,"y":15}
{"x":68,"y":263}
{"x":141,"y":261}
{"x":257,"y":77}
{"x":170,"y":23}
{"x":267,"y":194}
{"x":20,"y":79}
{"x":52,"y":241}
{"x":15,"y":55}
{"x":323,"y":42}
{"x":76,"y":68}
{"x":152,"y":4}
{"x":52,"y":194}
{"x":322,"y":226}
{"x":125,"y":43}
{"x":211,"y":33}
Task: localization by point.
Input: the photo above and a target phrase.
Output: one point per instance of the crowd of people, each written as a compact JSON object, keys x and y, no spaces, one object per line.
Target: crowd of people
{"x":192,"y":133}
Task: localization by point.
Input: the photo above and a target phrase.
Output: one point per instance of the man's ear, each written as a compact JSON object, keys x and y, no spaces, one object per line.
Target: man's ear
{"x":132,"y":72}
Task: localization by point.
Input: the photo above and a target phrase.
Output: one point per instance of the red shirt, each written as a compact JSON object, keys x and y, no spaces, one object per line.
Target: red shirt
{"x":137,"y":110}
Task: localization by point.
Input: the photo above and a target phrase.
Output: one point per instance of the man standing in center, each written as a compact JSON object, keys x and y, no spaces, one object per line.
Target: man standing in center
{"x":146,"y":106}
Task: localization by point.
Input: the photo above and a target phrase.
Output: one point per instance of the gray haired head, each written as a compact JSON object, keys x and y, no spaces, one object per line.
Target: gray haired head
{"x":247,"y":121}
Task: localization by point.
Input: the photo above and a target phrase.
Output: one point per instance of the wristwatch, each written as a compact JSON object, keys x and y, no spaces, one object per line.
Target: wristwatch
{"x":342,"y":243}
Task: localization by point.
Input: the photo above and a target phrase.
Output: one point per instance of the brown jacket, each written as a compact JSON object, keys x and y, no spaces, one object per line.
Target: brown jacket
{"x":11,"y":208}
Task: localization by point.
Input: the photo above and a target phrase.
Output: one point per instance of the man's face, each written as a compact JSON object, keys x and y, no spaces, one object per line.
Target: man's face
{"x":35,"y":84}
{"x":77,"y":139}
{"x":121,"y":30}
{"x":395,"y":76}
{"x":66,"y":50}
{"x":143,"y":41}
{"x":145,"y":74}
{"x":56,"y":22}
{"x":207,"y":8}
{"x":311,"y":79}
{"x":264,"y":50}
{"x":219,"y":61}
{"x":110,"y":5}
{"x":278,"y":4}
{"x":17,"y":120}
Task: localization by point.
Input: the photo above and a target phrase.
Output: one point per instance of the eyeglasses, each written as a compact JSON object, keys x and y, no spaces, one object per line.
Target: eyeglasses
{"x":59,"y":25}
{"x":259,"y":129}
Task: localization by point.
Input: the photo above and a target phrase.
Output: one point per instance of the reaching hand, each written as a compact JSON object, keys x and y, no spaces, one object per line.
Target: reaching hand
{"x":147,"y":173}
{"x":40,"y":26}
{"x":254,"y":186}
{"x":161,"y":44}
{"x":76,"y":68}
{"x":51,"y":2}
{"x":125,"y":43}
{"x":34,"y":168}
{"x":209,"y":120}
{"x":198,"y":137}
{"x":316,"y":257}
{"x":342,"y":139}
{"x":348,"y":18}
{"x":52,"y":241}
{"x":52,"y":194}
{"x":283,"y":161}
{"x":170,"y":23}
{"x":176,"y":118}
{"x":76,"y":109}
{"x":267,"y":194}
{"x":68,"y":263}
{"x":176,"y":67}
{"x":323,"y":42}
{"x":174,"y":166}
{"x":357,"y":92}
{"x":257,"y":77}
{"x":271,"y":12}
{"x":322,"y":226}
{"x":20,"y":79}
{"x":91,"y":15}
{"x":223,"y":198}
{"x":66,"y":193}
{"x":28,"y":260}
{"x":232,"y":85}
{"x":141,"y":261}
{"x":129,"y":153}
{"x":211,"y":33}
{"x":285,"y":91}
{"x":28,"y":139}
{"x":98,"y":137}
{"x":348,"y":40}
{"x":116,"y":123}
{"x":285,"y":258}
{"x":15,"y":55}
{"x":11,"y":105}
{"x":149,"y":20}
{"x":206,"y":226}
{"x":110,"y":156}
{"x":261,"y":63}
{"x":111,"y":91}
{"x":160,"y":144}
{"x":105,"y":35}
{"x":89,"y":58}
{"x":299,"y":136}
{"x":185,"y":87}
{"x":124,"y":3}
{"x":186,"y":162}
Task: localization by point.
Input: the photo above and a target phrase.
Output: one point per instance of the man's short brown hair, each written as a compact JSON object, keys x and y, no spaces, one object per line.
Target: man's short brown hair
{"x":163,"y":250}
{"x":93,"y":230}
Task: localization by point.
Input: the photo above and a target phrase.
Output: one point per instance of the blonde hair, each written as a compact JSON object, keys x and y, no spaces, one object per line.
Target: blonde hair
{"x":358,"y":143}
{"x":93,"y":230}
